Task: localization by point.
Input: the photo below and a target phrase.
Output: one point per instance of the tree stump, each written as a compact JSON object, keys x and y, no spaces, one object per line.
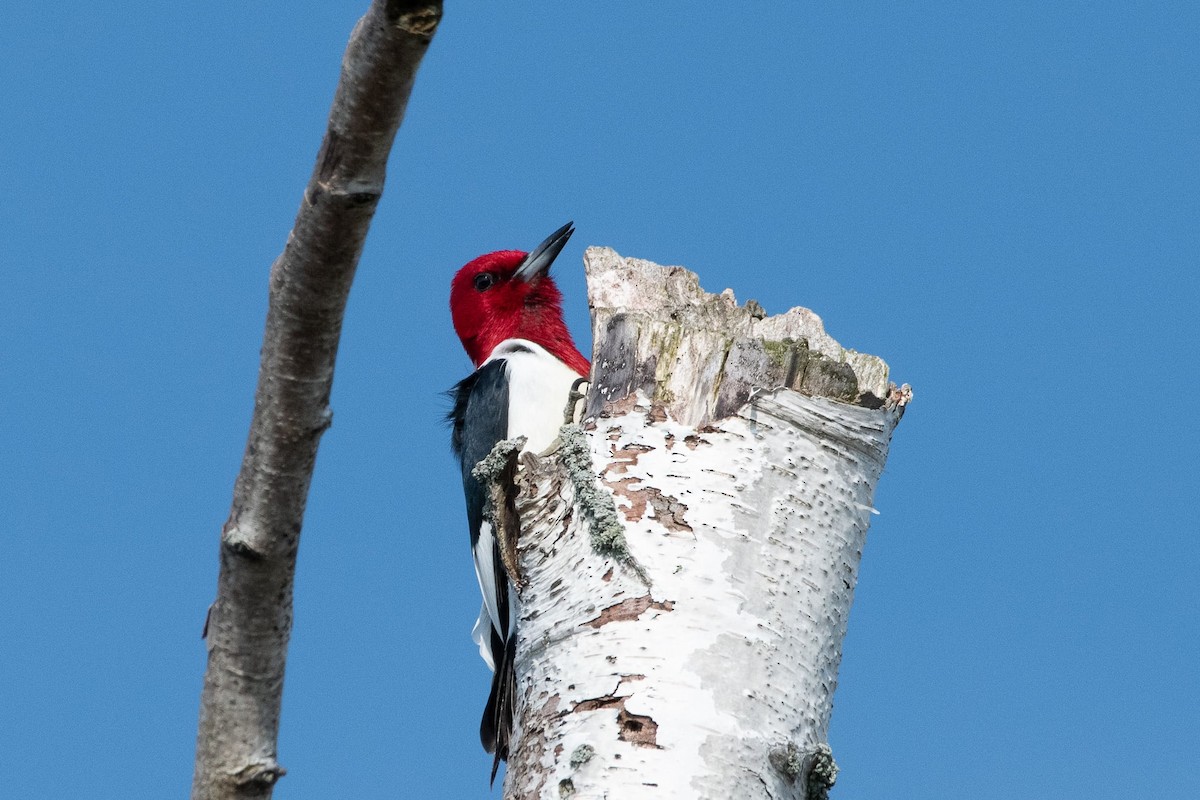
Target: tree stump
{"x":689,"y":555}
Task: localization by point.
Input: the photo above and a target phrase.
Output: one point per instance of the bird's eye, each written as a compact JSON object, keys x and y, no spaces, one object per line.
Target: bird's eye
{"x":484,"y":281}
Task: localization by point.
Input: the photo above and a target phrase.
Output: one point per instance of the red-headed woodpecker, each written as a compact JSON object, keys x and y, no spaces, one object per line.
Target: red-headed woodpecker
{"x":508,"y":313}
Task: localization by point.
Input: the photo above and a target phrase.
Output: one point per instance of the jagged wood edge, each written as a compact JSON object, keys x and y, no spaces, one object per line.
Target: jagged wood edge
{"x":646,"y":316}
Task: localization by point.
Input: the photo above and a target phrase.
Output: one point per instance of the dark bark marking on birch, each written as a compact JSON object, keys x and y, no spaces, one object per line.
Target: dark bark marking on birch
{"x":533,"y":730}
{"x":668,"y":510}
{"x":620,"y":376}
{"x":627,"y":457}
{"x":628,"y":610}
{"x":637,"y":729}
{"x":657,"y":413}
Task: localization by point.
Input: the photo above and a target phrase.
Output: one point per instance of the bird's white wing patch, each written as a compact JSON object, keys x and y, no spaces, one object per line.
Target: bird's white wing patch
{"x":482,"y":634}
{"x":485,"y":572}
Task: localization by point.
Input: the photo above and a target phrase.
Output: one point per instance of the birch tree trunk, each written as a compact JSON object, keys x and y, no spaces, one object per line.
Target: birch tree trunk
{"x":250,"y":621}
{"x":689,"y":559}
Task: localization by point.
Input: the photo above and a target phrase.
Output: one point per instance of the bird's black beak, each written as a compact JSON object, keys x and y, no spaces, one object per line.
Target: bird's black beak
{"x":542,"y":256}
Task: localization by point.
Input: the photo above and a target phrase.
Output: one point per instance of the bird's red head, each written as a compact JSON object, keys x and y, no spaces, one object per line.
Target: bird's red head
{"x":509,"y":294}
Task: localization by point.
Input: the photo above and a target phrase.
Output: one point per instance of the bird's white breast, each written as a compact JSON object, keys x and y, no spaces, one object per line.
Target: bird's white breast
{"x":539,"y":385}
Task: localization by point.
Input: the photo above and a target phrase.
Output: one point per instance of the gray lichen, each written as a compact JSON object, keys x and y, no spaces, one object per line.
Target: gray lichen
{"x":495,"y":461}
{"x":787,"y":759}
{"x":822,"y":773}
{"x":496,"y":472}
{"x":488,"y":470}
{"x":604,"y":525}
{"x":817,"y":765}
{"x":581,"y":755}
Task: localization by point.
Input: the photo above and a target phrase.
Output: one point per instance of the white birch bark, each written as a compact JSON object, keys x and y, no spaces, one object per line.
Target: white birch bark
{"x":705,"y":665}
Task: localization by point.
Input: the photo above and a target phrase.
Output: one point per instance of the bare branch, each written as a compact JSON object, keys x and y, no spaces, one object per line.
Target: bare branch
{"x":250,"y":621}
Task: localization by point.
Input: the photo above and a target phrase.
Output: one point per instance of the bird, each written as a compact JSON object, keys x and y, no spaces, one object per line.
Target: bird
{"x":507,"y":312}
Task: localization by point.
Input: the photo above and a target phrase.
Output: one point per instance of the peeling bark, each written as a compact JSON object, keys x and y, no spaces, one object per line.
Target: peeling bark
{"x":250,"y":621}
{"x":667,"y":510}
{"x":742,"y":452}
{"x":628,"y":609}
{"x":637,"y":729}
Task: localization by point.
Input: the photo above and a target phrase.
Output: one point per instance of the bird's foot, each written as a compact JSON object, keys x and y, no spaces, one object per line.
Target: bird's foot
{"x":576,"y":402}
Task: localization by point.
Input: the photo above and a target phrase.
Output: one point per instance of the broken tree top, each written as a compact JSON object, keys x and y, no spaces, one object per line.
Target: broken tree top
{"x":700,"y":356}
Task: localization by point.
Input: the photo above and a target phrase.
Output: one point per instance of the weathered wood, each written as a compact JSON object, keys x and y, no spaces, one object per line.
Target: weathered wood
{"x":250,"y":621}
{"x":700,"y":356}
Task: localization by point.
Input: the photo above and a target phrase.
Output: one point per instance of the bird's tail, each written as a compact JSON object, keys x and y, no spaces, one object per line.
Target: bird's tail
{"x":496,"y":727}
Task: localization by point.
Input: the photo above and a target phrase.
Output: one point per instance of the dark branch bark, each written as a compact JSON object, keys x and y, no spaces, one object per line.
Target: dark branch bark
{"x":250,"y":621}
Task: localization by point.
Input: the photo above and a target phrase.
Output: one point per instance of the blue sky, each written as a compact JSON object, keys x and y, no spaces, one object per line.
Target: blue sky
{"x":999,"y":198}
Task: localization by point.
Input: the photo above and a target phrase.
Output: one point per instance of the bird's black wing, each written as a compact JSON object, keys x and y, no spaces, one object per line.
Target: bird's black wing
{"x":479,"y":420}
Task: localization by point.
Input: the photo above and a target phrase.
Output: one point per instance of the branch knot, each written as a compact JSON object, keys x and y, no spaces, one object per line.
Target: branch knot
{"x":260,"y":774}
{"x":417,"y":18}
{"x":816,"y":766}
{"x":240,"y":542}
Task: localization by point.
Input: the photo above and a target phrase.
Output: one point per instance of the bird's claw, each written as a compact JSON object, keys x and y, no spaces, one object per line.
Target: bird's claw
{"x":576,"y":402}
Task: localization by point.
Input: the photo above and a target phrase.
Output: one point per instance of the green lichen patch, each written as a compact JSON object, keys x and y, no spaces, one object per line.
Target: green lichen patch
{"x":824,"y":377}
{"x":782,"y":351}
{"x":604,"y":525}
